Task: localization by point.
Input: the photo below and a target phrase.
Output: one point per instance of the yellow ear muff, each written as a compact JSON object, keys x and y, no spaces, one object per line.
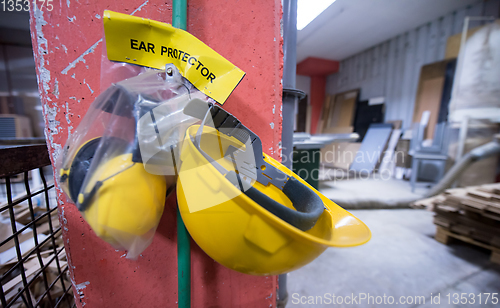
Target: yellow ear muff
{"x":121,"y":199}
{"x":129,"y":201}
{"x":79,"y":167}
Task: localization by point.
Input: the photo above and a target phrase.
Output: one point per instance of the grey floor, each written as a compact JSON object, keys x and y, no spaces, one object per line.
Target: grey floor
{"x":402,"y":259}
{"x":374,"y":192}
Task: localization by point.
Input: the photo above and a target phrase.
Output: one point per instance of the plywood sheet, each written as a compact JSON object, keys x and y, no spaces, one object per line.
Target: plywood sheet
{"x":339,"y":155}
{"x":430,"y":100}
{"x":371,"y":148}
{"x":453,"y":43}
{"x":325,"y":111}
{"x":342,"y":113}
{"x":429,"y":94}
{"x":338,"y":110}
{"x":339,"y":130}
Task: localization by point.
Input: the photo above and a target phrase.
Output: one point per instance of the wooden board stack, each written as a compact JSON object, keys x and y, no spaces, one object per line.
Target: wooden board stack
{"x":36,"y":260}
{"x":470,"y":214}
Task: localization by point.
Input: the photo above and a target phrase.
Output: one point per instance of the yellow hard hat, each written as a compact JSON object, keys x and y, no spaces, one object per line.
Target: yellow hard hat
{"x":267,"y":229}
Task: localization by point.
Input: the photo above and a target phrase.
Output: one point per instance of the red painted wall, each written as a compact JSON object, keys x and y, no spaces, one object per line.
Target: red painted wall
{"x":318,"y":69}
{"x":67,"y":49}
{"x":317,"y":98}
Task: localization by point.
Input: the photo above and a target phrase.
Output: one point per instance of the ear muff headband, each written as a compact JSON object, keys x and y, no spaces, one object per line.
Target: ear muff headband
{"x":80,"y":166}
{"x":83,"y":159}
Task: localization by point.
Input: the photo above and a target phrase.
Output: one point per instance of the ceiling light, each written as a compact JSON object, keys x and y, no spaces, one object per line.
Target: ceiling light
{"x":308,"y":10}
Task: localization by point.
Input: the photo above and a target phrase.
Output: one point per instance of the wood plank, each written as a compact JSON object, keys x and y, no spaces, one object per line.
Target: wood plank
{"x":480,"y":194}
{"x":25,"y":247}
{"x":428,"y":203}
{"x":31,"y":268}
{"x":13,"y":282}
{"x":442,"y":236}
{"x":340,"y":111}
{"x":495,"y":257}
{"x":25,"y":235}
{"x":20,"y":159}
{"x":429,"y":92}
{"x":466,"y":239}
{"x":24,"y":195}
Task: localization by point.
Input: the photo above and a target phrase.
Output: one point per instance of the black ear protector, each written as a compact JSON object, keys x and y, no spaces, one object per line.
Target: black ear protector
{"x":79,"y":168}
{"x":107,"y":181}
{"x":81,"y":164}
{"x":119,"y":102}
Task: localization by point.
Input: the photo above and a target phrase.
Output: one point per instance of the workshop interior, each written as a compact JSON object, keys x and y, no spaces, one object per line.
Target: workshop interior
{"x":292,"y":153}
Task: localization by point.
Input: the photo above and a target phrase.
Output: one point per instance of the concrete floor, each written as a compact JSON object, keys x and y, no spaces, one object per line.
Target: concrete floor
{"x":402,"y":259}
{"x":371,"y":193}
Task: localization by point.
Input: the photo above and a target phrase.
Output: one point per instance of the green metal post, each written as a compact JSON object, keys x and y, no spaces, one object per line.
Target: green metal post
{"x":183,"y":264}
{"x":179,"y":20}
{"x":179,"y":14}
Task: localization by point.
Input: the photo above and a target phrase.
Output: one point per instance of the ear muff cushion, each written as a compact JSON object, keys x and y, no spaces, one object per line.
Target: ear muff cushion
{"x":80,"y":166}
{"x":83,"y":159}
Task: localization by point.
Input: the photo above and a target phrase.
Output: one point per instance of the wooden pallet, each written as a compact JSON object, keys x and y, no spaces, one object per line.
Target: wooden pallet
{"x":444,"y":236}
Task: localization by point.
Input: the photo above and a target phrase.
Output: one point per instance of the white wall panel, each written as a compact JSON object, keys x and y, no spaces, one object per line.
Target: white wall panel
{"x":392,"y":68}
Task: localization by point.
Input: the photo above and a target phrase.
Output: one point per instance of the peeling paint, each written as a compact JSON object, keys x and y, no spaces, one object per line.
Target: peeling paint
{"x":139,"y":8}
{"x":56,"y":89}
{"x":68,"y":120}
{"x":64,"y":220}
{"x":97,"y":16}
{"x":57,"y":150}
{"x":82,"y":285}
{"x":50,"y":115}
{"x":65,"y":49}
{"x":43,"y":72}
{"x":52,"y":129}
{"x":88,"y":86}
{"x":79,"y":289}
{"x":81,"y":58}
{"x":71,"y":19}
{"x":272,"y":125}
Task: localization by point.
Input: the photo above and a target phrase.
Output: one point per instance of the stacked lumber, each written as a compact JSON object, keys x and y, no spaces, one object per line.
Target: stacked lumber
{"x":42,"y":265}
{"x":470,"y":214}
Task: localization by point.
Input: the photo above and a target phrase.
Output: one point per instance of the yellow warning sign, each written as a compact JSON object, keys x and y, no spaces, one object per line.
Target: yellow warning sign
{"x":153,"y":44}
